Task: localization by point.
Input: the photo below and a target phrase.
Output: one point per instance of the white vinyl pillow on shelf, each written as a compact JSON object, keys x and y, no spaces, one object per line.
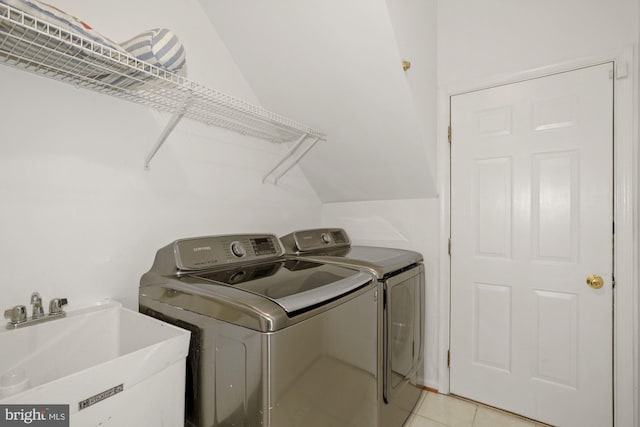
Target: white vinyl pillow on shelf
{"x":159,"y":47}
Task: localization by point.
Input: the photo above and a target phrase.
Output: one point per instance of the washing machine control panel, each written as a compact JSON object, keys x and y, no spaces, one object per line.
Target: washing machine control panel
{"x":201,"y":253}
{"x":322,"y":238}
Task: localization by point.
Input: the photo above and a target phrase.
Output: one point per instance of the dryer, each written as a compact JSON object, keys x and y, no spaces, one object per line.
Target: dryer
{"x":401,"y":278}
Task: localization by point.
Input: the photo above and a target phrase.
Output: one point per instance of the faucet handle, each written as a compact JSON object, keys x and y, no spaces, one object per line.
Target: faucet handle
{"x":56,"y":304}
{"x":35,"y":298}
{"x":17,"y":314}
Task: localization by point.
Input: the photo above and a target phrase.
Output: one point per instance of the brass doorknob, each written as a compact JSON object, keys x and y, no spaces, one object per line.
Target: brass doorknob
{"x":595,"y":281}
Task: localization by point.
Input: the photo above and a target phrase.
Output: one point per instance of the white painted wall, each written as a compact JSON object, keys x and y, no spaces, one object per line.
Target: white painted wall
{"x":407,"y":223}
{"x":415,"y":27}
{"x":489,"y":38}
{"x":336,"y":65}
{"x":636,"y":315}
{"x":80,"y":217}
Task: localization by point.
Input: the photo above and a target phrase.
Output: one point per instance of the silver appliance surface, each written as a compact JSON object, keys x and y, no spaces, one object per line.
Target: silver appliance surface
{"x":334,"y":246}
{"x":275,"y":341}
{"x":402,"y":280}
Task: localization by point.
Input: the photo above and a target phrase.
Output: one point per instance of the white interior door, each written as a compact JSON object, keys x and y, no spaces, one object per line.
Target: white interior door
{"x":531,"y":220}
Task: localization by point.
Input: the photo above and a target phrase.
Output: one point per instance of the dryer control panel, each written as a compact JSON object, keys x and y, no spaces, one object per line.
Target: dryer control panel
{"x":201,"y":253}
{"x":312,"y":240}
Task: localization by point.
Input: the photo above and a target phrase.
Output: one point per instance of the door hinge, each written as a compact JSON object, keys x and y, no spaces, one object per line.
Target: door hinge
{"x":449,"y":133}
{"x":448,"y":358}
{"x":613,"y":282}
{"x":449,"y":247}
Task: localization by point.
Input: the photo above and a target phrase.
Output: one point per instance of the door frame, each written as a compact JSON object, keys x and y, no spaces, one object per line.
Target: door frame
{"x":625,"y":315}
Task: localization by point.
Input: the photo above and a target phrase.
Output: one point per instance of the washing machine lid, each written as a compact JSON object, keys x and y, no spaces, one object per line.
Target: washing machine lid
{"x":381,"y":262}
{"x":385,"y":259}
{"x":332,"y":245}
{"x":294,"y":285}
{"x":244,"y":279}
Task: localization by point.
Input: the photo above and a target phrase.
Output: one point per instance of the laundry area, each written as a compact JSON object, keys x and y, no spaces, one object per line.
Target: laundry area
{"x":364,"y":213}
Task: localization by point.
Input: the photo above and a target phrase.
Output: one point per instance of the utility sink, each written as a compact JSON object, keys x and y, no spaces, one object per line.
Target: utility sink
{"x":111,"y":365}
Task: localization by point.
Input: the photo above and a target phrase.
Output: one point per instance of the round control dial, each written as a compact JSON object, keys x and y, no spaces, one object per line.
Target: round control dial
{"x":326,"y":238}
{"x":237,"y":249}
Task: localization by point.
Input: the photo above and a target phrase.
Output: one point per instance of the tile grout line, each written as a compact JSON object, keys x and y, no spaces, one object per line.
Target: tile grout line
{"x":475,"y":414}
{"x":536,"y":423}
{"x":447,"y":396}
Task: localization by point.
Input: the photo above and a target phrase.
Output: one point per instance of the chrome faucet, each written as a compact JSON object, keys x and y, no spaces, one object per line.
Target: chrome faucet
{"x":18,"y":315}
{"x":36,"y":302}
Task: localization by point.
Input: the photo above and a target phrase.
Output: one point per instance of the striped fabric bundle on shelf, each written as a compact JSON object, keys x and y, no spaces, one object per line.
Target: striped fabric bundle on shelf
{"x":159,"y":47}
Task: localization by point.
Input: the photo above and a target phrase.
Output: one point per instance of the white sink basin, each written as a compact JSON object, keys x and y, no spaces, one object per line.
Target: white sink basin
{"x":93,"y":350}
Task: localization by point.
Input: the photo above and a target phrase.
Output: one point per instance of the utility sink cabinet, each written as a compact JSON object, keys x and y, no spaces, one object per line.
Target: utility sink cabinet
{"x":111,"y":365}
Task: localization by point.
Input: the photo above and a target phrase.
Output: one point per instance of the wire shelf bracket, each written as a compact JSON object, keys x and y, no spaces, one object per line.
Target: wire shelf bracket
{"x":173,"y":122}
{"x":295,"y":154}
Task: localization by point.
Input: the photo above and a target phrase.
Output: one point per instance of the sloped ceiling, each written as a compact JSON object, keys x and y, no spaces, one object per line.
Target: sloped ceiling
{"x":334,"y":65}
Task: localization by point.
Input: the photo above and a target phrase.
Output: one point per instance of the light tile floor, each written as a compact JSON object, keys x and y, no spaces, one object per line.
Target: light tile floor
{"x":438,"y":410}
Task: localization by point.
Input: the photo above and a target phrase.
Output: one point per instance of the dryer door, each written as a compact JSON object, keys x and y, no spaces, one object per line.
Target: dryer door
{"x":403,"y":331}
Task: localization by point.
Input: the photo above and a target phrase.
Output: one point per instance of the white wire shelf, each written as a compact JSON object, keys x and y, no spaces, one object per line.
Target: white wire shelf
{"x":33,"y":45}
